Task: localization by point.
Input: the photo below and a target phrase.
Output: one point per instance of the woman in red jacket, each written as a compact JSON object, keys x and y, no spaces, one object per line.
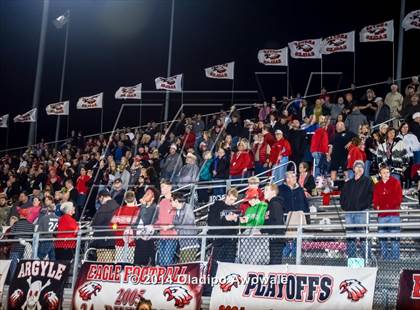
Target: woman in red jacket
{"x":387,"y":195}
{"x":188,"y":138}
{"x":356,"y":152}
{"x":279,"y":156}
{"x":82,"y":186}
{"x":319,"y":147}
{"x":67,"y":228}
{"x":240,"y":161}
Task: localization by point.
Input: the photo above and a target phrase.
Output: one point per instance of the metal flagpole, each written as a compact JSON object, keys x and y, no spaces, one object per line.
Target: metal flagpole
{"x":171,"y":32}
{"x":233,"y":88}
{"x":102,"y":119}
{"x":68,"y":125}
{"x":322,"y":78}
{"x":140,"y":115}
{"x":393,"y":61}
{"x":63,"y":73}
{"x":354,"y":67}
{"x":287,"y":78}
{"x":7,"y":136}
{"x":400,"y":44}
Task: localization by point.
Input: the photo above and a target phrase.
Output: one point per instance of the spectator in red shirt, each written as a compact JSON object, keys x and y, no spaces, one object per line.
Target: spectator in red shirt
{"x":356,"y":152}
{"x":387,"y":195}
{"x":240,"y":161}
{"x":261,"y":154}
{"x":268,"y":137}
{"x":82,"y":186}
{"x":319,"y":148}
{"x":279,"y":156}
{"x":188,"y":138}
{"x":67,"y":228}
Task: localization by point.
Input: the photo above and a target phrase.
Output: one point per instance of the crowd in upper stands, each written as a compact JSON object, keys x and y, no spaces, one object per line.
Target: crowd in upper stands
{"x":126,"y":180}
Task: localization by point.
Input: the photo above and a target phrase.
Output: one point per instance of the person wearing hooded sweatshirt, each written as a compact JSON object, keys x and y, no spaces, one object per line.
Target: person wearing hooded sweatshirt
{"x":354,"y":120}
{"x":185,"y":217}
{"x":189,"y":172}
{"x":170,"y":163}
{"x":48,"y":222}
{"x":355,"y":153}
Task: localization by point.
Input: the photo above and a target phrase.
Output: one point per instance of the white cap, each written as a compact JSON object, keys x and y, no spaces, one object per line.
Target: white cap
{"x":278,"y":131}
{"x":377,"y":99}
{"x":415,"y":115}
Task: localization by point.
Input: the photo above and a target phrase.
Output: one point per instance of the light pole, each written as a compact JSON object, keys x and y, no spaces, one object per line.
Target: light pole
{"x":60,"y":22}
{"x":171,"y":34}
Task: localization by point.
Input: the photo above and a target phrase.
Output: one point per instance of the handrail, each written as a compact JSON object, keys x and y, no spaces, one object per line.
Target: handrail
{"x":384,"y":122}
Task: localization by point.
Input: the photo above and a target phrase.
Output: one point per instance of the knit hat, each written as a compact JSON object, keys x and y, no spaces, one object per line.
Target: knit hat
{"x":415,"y":115}
{"x":359,"y":163}
{"x":251,"y":193}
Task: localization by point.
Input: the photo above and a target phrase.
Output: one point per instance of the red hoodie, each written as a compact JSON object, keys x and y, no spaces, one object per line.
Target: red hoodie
{"x":355,"y":153}
{"x":319,"y":142}
{"x":123,"y":217}
{"x":239,"y":162}
{"x":387,"y":196}
{"x":81,"y":184}
{"x":189,"y":140}
{"x":280,"y":148}
{"x":67,"y":228}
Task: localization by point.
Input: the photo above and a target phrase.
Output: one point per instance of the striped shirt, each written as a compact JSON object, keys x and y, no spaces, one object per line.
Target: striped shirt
{"x":25,"y":230}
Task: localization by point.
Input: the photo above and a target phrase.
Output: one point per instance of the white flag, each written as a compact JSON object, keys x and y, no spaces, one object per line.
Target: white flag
{"x":412,"y":20}
{"x":4,"y":120}
{"x":309,"y":49}
{"x":270,"y":57}
{"x":173,"y":83}
{"x":91,"y":102}
{"x":223,"y":71}
{"x":58,"y":108}
{"x":28,"y":117}
{"x":343,"y":42}
{"x":379,"y":32}
{"x":129,"y":92}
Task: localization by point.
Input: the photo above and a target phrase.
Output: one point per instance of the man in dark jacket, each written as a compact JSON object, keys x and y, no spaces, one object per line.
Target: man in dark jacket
{"x":356,"y":197}
{"x":383,"y":113}
{"x":274,"y":216}
{"x":105,"y":249}
{"x":297,"y":142}
{"x":220,"y":170}
{"x":47,"y":225}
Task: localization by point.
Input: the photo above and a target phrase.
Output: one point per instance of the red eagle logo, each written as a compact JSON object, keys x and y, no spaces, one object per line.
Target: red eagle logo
{"x":231,"y":280}
{"x":88,"y":289}
{"x":271,"y":55}
{"x":219,"y":69}
{"x":377,"y":31}
{"x":354,"y":289}
{"x":128,"y":90}
{"x":336,"y":42}
{"x":169,"y":80}
{"x":181,"y":296}
{"x":304,"y":47}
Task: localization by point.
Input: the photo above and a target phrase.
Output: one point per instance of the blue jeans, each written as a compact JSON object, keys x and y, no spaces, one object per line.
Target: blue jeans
{"x":46,"y":248}
{"x":280,"y":170}
{"x":81,"y":199}
{"x":368,"y":163}
{"x":219,"y":191}
{"x":356,"y":218}
{"x":319,"y":159}
{"x":393,"y":252}
{"x":166,"y":251}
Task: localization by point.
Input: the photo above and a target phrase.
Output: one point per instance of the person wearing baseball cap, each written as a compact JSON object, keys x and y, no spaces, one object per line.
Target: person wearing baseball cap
{"x":356,"y":198}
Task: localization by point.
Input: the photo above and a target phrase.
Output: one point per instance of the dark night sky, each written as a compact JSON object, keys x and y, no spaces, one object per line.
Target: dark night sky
{"x":114,"y":43}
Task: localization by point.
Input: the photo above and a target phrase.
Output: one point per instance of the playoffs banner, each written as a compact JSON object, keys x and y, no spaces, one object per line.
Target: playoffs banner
{"x":173,"y":83}
{"x":409,"y":290}
{"x":343,"y":42}
{"x":379,"y":32}
{"x":120,"y":286}
{"x":270,"y":57}
{"x":223,"y":71}
{"x":58,"y":108}
{"x":309,"y":49}
{"x":412,"y":20}
{"x":129,"y":92}
{"x":28,"y":117}
{"x":292,"y":287}
{"x":38,"y":284}
{"x":4,"y":269}
{"x":91,"y":102}
{"x":4,"y":121}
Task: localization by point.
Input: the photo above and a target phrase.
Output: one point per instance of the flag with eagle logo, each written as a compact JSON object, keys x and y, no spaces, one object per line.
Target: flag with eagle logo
{"x":173,"y":83}
{"x":222,"y":71}
{"x":412,"y":20}
{"x":90,"y":102}
{"x":343,"y":42}
{"x":58,"y":108}
{"x":378,"y":33}
{"x":306,"y":49}
{"x":129,"y":92}
{"x":28,"y":117}
{"x":272,"y":57}
{"x":4,"y":121}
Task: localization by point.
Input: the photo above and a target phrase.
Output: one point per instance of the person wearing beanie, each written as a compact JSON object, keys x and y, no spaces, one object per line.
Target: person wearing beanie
{"x":356,"y":198}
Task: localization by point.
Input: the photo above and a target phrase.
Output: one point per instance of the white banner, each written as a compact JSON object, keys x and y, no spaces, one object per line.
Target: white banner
{"x":129,"y":92}
{"x":309,"y":49}
{"x":379,"y":32}
{"x":91,"y":102}
{"x":343,"y":42}
{"x":223,"y":71}
{"x":270,"y":57}
{"x":4,"y":121}
{"x":173,"y":83}
{"x":28,"y":117}
{"x":4,"y":269}
{"x":58,"y":108}
{"x":264,"y":287}
{"x":412,"y":20}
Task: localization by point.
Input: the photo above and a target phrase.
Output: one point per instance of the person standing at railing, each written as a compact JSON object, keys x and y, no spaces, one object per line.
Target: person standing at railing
{"x":383,"y":112}
{"x":338,"y":149}
{"x":279,"y":156}
{"x":170,"y":163}
{"x":412,"y":146}
{"x":253,"y":188}
{"x":387,"y":195}
{"x":356,"y":198}
{"x":356,"y":153}
{"x":240,"y":161}
{"x":394,"y":100}
{"x":319,"y":148}
{"x":220,"y":171}
{"x":82,"y":186}
{"x":67,"y":228}
{"x":47,"y":225}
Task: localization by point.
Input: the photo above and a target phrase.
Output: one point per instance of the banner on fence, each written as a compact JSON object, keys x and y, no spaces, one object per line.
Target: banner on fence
{"x":120,"y":286}
{"x":4,"y":269}
{"x":292,"y":287}
{"x":38,"y":285}
{"x":409,"y":290}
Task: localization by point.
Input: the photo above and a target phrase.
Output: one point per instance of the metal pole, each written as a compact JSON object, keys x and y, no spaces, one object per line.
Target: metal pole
{"x":168,"y":72}
{"x":299,"y":245}
{"x":393,"y":62}
{"x":39,"y":67}
{"x":354,"y":67}
{"x":322,"y":82}
{"x":203,"y":246}
{"x":400,"y":44}
{"x":76,"y":259}
{"x":35,"y":244}
{"x":102,"y":119}
{"x":63,"y":73}
{"x":288,"y":82}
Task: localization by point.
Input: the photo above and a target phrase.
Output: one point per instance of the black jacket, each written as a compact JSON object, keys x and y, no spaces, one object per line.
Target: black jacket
{"x":101,"y":220}
{"x":383,"y":115}
{"x":356,"y":195}
{"x":234,"y":129}
{"x":294,"y":199}
{"x":297,"y":143}
{"x":276,"y":216}
{"x":222,"y":169}
{"x":216,"y":218}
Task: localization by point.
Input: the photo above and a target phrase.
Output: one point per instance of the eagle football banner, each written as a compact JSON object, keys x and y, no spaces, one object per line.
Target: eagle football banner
{"x":28,"y":117}
{"x":58,"y":108}
{"x":120,"y":286}
{"x":91,"y":102}
{"x":306,"y":49}
{"x":379,"y":32}
{"x":173,"y":83}
{"x":129,"y":92}
{"x":270,"y":57}
{"x":343,"y":42}
{"x":4,"y":268}
{"x":38,"y":284}
{"x":409,"y":290}
{"x":412,"y":20}
{"x":223,"y":71}
{"x":4,"y":121}
{"x":262,"y":287}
